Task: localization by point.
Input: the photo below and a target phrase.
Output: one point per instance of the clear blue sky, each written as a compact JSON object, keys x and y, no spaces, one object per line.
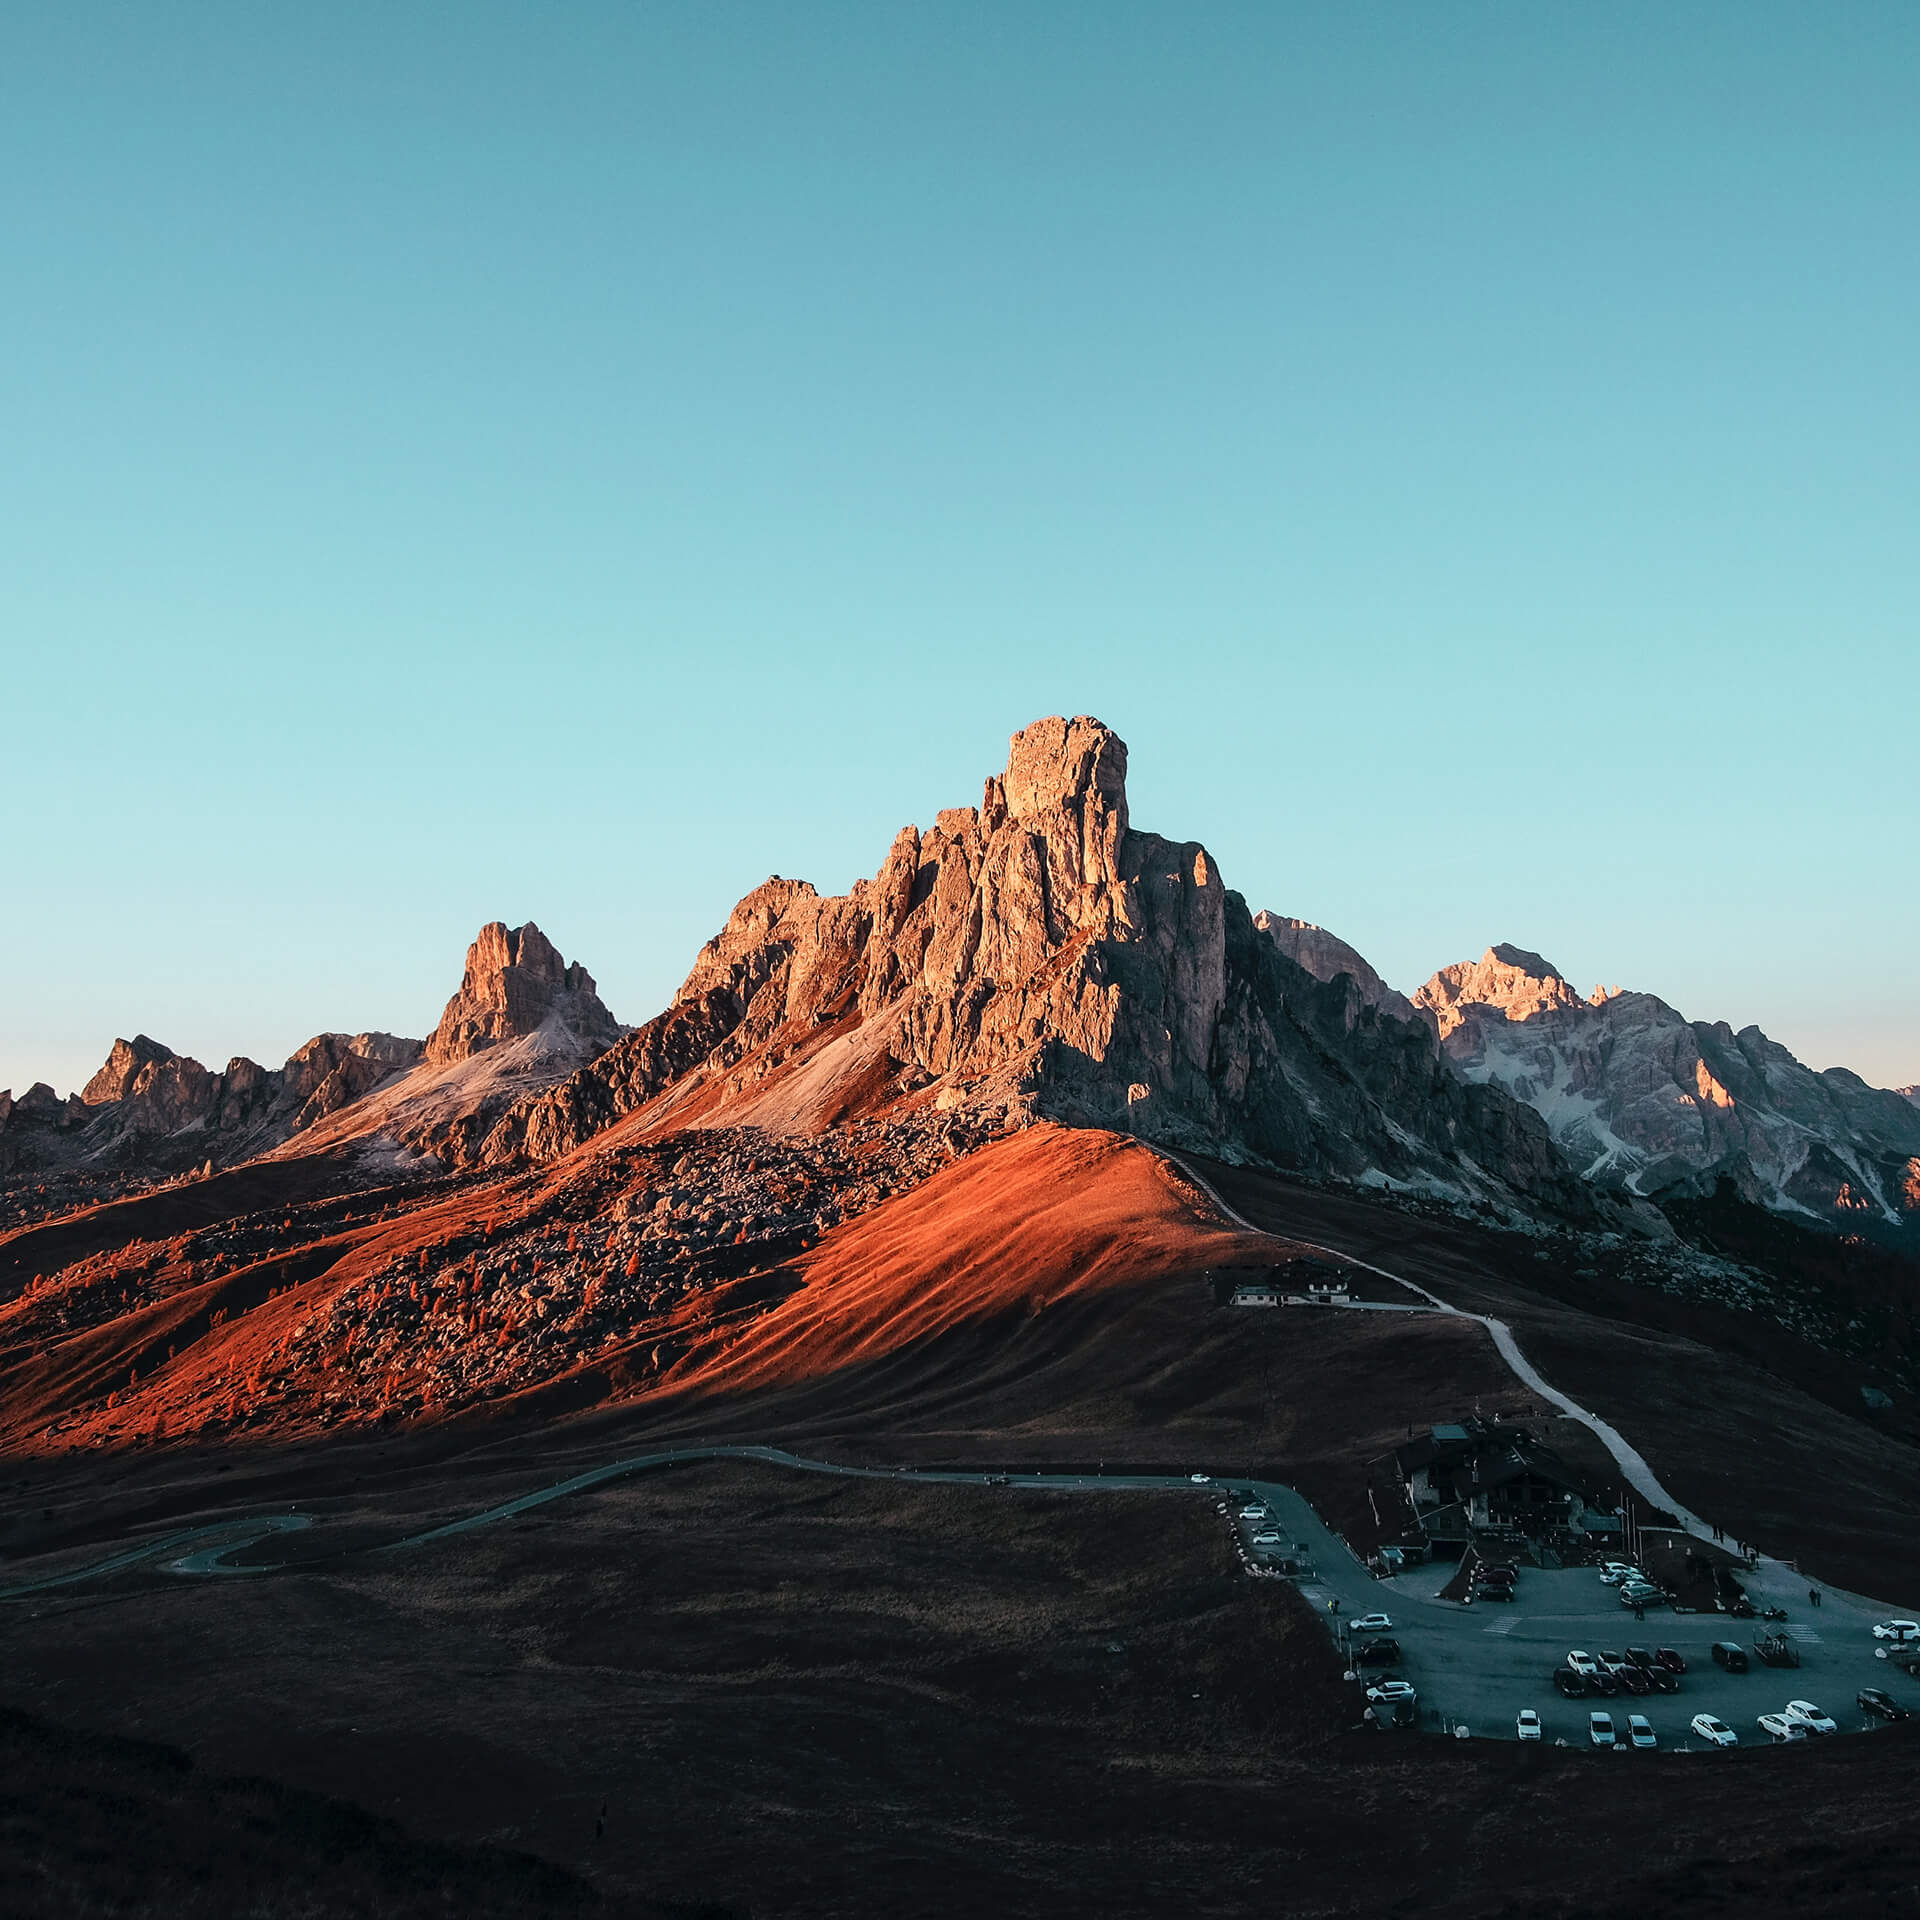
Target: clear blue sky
{"x":569,"y":462}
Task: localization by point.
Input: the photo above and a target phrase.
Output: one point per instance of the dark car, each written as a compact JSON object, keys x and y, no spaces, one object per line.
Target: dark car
{"x":1666,"y":1657}
{"x":1640,"y":1657}
{"x":1728,"y":1654}
{"x":1572,"y":1685}
{"x":1505,"y":1574}
{"x":1376,"y":1653}
{"x":1494,"y":1592}
{"x":1601,"y":1681}
{"x":1661,"y":1681}
{"x":1634,"y":1679}
{"x":1882,"y":1705}
{"x":1741,"y":1609}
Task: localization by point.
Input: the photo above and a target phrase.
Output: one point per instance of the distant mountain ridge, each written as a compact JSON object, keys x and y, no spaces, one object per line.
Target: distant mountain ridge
{"x":521,"y":1011}
{"x":1644,"y":1099}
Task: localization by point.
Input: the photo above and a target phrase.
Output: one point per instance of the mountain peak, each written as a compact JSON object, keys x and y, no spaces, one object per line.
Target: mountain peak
{"x":1513,"y":981}
{"x":515,"y":982}
{"x":1523,"y":961}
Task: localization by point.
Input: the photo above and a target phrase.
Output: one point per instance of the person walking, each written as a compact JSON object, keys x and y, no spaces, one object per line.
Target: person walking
{"x":1813,"y":1596}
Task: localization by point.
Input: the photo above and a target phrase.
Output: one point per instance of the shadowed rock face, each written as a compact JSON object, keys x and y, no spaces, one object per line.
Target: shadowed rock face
{"x":1643,"y":1098}
{"x":1326,"y":956}
{"x":515,"y":983}
{"x":1039,"y":953}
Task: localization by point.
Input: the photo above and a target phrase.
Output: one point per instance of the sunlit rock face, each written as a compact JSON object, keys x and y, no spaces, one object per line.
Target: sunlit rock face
{"x":515,"y":984}
{"x":1041,"y":954}
{"x":1640,"y":1097}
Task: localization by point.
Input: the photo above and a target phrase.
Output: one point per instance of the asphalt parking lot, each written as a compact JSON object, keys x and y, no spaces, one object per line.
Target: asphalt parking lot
{"x":1478,"y":1665}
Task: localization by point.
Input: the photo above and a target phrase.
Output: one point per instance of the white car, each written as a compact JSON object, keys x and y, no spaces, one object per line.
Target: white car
{"x":1527,"y":1727}
{"x":1372,"y":1623}
{"x":1640,"y":1731}
{"x":1612,"y":1572}
{"x":1776,"y":1726}
{"x":1716,"y":1733}
{"x":1201,"y":1479}
{"x":1600,"y":1729}
{"x":1254,"y":1512}
{"x":1809,"y":1716}
{"x":1386,"y":1692}
{"x":1267,"y":1540}
{"x":1584,"y":1664}
{"x":1896,"y":1630}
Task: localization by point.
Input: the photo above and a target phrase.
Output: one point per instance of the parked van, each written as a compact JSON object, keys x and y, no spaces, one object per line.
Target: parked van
{"x":1728,"y":1654}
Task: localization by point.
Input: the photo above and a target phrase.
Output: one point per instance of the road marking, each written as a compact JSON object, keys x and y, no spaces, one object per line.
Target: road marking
{"x":1502,"y":1626}
{"x":1804,"y":1634}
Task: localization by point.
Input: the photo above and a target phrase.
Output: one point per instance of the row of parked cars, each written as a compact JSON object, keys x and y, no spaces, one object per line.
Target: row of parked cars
{"x":1638,"y":1590}
{"x":1638,"y":1670}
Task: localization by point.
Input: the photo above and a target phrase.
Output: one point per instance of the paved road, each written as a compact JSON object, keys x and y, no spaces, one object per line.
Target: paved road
{"x":1632,"y":1464}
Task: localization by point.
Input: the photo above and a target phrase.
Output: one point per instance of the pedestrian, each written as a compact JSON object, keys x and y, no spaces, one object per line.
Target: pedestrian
{"x":1813,"y":1596}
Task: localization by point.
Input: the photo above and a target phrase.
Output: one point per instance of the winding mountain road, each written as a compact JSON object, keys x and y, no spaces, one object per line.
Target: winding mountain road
{"x":1631,"y":1462}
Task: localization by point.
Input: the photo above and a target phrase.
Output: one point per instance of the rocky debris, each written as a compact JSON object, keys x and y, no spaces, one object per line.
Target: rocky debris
{"x":1909,"y":1093}
{"x":515,"y":984}
{"x":659,"y":1251}
{"x":1644,"y":1099}
{"x":1326,"y":956}
{"x":1039,"y":955}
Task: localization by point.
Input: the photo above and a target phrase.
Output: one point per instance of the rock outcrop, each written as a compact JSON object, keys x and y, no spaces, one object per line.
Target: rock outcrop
{"x":515,"y":984}
{"x":1039,"y":954}
{"x":1642,"y":1098}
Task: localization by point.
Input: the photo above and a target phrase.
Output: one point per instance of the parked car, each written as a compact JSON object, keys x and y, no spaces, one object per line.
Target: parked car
{"x":1266,"y":1537}
{"x":1642,"y":1596}
{"x":1376,"y":1653}
{"x":1714,"y":1731}
{"x":1666,"y":1657}
{"x":1500,"y":1570}
{"x":1881,"y":1704}
{"x":1602,"y":1682}
{"x":1640,"y":1657}
{"x":1600,"y":1729}
{"x":1527,"y":1727}
{"x":1570,"y":1685}
{"x":1731,"y":1655}
{"x":1372,"y":1623}
{"x":1493,"y":1593}
{"x":1634,"y":1679}
{"x":1896,"y":1630}
{"x":1810,"y":1716}
{"x":1777,"y":1727}
{"x":1640,"y":1731}
{"x":1660,"y":1680}
{"x":1386,"y":1692}
{"x":1582,"y":1663}
{"x":1741,"y":1609}
{"x":1254,"y":1512}
{"x":1612,"y":1572}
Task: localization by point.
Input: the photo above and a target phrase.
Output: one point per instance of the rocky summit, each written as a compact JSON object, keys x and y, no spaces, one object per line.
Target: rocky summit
{"x":1039,"y":955}
{"x":516,"y":984}
{"x":1644,"y":1099}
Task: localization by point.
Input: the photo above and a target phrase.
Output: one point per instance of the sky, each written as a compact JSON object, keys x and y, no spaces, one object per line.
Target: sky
{"x":515,"y":462}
